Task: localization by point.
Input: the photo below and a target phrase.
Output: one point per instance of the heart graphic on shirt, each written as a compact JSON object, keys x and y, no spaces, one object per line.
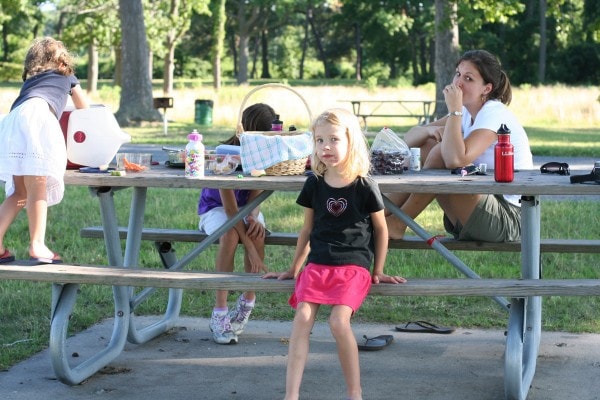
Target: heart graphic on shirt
{"x":337,"y":207}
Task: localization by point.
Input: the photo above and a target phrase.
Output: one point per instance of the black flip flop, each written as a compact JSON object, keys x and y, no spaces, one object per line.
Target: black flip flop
{"x":424,"y":327}
{"x":375,"y":343}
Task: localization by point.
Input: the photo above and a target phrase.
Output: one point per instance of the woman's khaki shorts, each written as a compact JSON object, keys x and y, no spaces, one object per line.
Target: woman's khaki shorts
{"x":493,"y":220}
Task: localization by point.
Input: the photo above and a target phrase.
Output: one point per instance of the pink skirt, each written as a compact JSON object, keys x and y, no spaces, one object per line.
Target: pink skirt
{"x":332,"y":285}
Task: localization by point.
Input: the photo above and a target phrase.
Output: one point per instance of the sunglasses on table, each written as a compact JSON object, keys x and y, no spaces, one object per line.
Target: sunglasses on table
{"x":555,"y":168}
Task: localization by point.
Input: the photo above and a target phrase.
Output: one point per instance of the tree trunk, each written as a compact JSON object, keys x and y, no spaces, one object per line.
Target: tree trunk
{"x":255,"y":52}
{"x":92,"y":70}
{"x":358,"y":46}
{"x":264,"y":42}
{"x":169,"y":70}
{"x":446,"y":50}
{"x":136,"y":103}
{"x":170,"y":43}
{"x":118,"y":73}
{"x":543,"y":41}
{"x":320,"y":49}
{"x":219,"y":37}
{"x":243,"y":57}
{"x":304,"y":47}
{"x":234,"y":54}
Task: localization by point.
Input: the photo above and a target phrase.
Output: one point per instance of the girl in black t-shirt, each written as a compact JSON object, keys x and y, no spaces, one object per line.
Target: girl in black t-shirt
{"x":344,"y":232}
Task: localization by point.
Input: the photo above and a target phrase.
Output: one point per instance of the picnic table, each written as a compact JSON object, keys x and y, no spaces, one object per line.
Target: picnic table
{"x":524,"y":322}
{"x":419,"y":109}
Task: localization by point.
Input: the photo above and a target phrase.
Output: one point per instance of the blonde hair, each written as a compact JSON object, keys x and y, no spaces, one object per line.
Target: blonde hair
{"x":357,"y":161}
{"x":47,"y":54}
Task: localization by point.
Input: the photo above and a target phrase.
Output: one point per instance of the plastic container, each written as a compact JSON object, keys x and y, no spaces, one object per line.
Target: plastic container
{"x":93,"y":137}
{"x":504,"y":156}
{"x":203,"y":112}
{"x":227,"y":149}
{"x":221,"y":164}
{"x":134,"y":162}
{"x":194,"y":156}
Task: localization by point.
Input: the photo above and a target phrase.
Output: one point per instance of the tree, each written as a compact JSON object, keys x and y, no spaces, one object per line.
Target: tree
{"x":219,"y":18}
{"x":249,"y":17}
{"x":92,"y":23}
{"x":136,"y":103}
{"x":169,"y":21}
{"x":446,"y":50}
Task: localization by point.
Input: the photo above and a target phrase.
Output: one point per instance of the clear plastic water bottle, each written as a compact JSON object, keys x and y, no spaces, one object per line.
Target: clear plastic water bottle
{"x":504,"y":156}
{"x":194,"y":156}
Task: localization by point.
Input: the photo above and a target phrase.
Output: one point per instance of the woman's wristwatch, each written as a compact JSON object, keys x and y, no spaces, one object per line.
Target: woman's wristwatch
{"x":457,"y":113}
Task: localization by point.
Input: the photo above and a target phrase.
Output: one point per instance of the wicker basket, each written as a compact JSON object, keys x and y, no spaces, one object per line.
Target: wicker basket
{"x":289,"y":167}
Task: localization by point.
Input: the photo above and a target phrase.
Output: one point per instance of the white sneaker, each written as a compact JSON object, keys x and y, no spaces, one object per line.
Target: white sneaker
{"x":239,"y":315}
{"x":220,"y":326}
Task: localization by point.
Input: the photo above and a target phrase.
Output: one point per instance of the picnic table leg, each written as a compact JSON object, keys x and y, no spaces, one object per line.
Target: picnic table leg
{"x":525,"y":320}
{"x":142,"y":335}
{"x":139,"y":335}
{"x":63,"y":301}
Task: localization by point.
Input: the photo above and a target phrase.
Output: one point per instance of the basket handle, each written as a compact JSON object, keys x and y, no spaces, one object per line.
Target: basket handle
{"x":240,"y":128}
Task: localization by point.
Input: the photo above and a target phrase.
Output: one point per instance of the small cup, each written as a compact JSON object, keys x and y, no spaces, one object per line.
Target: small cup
{"x":483,"y":168}
{"x":134,"y":162}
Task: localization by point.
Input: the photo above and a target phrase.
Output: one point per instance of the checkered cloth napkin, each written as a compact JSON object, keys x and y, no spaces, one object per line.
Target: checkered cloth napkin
{"x":260,"y":151}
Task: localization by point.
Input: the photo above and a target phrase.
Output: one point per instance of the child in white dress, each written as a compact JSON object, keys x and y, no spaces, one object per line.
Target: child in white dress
{"x":33,"y":155}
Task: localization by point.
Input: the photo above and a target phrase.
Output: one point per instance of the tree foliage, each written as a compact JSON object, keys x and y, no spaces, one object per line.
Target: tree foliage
{"x":376,"y":42}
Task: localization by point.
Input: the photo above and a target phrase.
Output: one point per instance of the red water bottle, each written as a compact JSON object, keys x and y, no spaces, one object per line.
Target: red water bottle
{"x":504,"y":156}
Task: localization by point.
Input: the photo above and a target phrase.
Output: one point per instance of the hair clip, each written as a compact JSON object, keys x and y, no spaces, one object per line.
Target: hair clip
{"x":554,"y":167}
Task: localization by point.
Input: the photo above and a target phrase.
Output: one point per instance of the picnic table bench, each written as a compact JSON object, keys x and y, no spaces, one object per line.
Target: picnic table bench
{"x":421,"y":110}
{"x":524,"y":307}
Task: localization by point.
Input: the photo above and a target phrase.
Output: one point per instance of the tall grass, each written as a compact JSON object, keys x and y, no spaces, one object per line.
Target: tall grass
{"x":25,"y":319}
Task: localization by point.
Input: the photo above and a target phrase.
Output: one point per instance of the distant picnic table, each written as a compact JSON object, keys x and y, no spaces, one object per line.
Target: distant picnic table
{"x":422,"y":110}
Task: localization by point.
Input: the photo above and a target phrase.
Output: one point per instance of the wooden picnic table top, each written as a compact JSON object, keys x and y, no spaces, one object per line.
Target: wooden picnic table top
{"x":526,"y":182}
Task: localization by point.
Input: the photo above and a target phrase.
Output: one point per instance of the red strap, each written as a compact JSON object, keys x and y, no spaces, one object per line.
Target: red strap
{"x":433,"y":239}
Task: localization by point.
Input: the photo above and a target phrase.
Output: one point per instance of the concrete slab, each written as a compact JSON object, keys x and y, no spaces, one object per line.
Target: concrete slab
{"x":186,"y":364}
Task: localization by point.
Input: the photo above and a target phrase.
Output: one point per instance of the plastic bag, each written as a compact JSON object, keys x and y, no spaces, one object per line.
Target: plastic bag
{"x":388,"y":153}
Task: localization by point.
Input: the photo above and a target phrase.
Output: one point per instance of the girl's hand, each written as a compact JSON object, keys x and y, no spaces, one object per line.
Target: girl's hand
{"x":279,"y":275}
{"x":254,"y":229}
{"x":256,"y":263}
{"x":383,"y":278}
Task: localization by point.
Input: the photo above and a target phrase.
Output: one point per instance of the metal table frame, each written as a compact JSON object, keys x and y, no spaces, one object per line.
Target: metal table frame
{"x":524,"y":322}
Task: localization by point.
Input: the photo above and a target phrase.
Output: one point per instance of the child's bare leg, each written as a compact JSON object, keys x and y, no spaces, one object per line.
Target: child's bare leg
{"x":37,"y":214}
{"x":259,"y":244}
{"x":10,"y":207}
{"x":298,"y":348}
{"x":224,"y":261}
{"x":339,"y":323}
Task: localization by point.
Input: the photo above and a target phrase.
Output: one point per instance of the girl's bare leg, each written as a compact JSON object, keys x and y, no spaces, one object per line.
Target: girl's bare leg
{"x":37,"y":214}
{"x":224,"y":261}
{"x":339,"y":323}
{"x":259,"y":244}
{"x":10,"y":207}
{"x":298,"y":348}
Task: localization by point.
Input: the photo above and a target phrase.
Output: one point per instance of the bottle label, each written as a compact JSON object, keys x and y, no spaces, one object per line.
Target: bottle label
{"x":194,"y":164}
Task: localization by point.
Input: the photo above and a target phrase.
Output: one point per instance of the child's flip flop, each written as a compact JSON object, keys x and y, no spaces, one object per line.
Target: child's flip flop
{"x":375,"y":343}
{"x":424,"y":327}
{"x":6,"y":257}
